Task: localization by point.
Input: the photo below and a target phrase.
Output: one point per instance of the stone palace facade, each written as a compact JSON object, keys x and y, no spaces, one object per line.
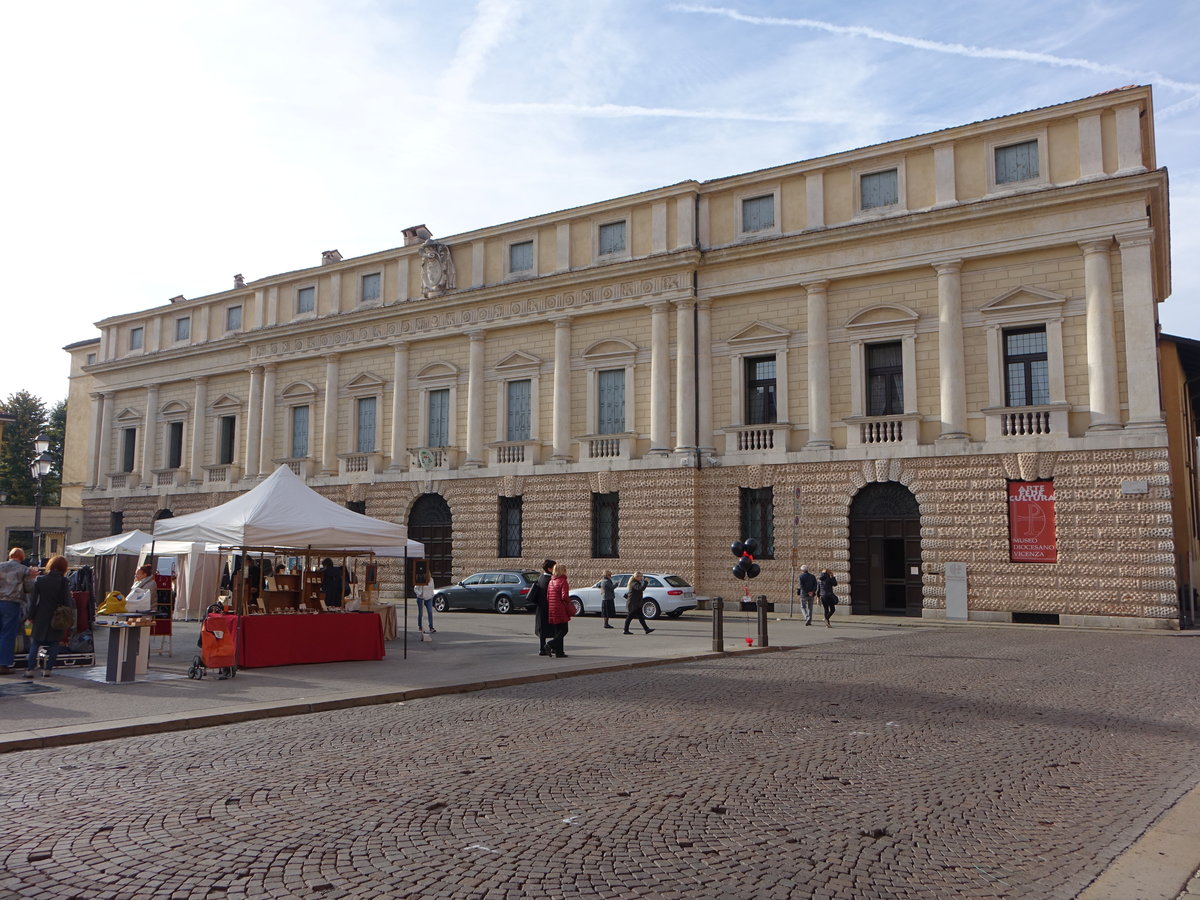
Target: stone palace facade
{"x":930,"y":365}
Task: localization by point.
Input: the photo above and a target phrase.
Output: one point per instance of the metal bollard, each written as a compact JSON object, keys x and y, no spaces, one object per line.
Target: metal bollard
{"x":718,"y":620}
{"x":762,"y":620}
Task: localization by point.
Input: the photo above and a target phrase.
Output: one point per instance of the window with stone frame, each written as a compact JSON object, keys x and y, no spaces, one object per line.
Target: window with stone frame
{"x":233,"y":318}
{"x":128,"y":449}
{"x":306,"y":300}
{"x":508,"y":545}
{"x":518,"y":409}
{"x":611,"y":395}
{"x":520,"y":257}
{"x":299,"y":437}
{"x":226,"y":443}
{"x":183,"y":328}
{"x":365,"y":419}
{"x":761,"y":394}
{"x":372,"y":287}
{"x":879,"y":189}
{"x":612,"y":238}
{"x":174,"y":445}
{"x":758,"y":213}
{"x":1026,"y":367}
{"x":605,"y":530}
{"x":1017,"y":162}
{"x":439,"y":418}
{"x":885,"y":379}
{"x":136,"y":337}
{"x":758,"y":519}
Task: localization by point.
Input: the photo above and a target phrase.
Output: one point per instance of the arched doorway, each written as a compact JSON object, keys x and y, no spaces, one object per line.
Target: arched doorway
{"x":429,"y":522}
{"x":885,"y":551}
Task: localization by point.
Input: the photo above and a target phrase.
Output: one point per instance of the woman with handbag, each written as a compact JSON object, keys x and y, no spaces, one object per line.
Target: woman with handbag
{"x":826,"y":582}
{"x":558,"y":610}
{"x":51,"y":612}
{"x":633,"y":602}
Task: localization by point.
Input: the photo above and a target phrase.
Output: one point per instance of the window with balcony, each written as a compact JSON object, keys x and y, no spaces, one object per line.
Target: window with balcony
{"x":364,"y":417}
{"x":885,"y":379}
{"x":520,"y":257}
{"x":611,"y":394}
{"x":439,"y":418}
{"x":758,"y":519}
{"x":306,"y":300}
{"x":128,"y":448}
{"x":509,"y":542}
{"x":761,"y":394}
{"x":226,"y":434}
{"x":371,"y":287}
{"x":174,"y":445}
{"x":1026,"y":367}
{"x":605,"y":533}
{"x":299,"y":442}
{"x":518,"y":409}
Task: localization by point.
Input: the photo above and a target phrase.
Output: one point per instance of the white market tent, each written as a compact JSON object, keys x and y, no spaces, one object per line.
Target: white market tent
{"x":284,"y":512}
{"x":128,"y":544}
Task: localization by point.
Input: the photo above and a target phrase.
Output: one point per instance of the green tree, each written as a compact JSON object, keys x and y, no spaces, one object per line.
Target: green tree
{"x":16,"y":450}
{"x":57,"y":430}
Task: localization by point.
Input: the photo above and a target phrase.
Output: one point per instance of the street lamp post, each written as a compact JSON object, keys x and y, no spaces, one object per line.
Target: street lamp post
{"x":39,"y":468}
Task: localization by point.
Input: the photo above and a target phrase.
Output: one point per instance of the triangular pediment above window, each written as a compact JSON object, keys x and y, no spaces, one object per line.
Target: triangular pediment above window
{"x":225,"y":403}
{"x":1024,"y":299}
{"x":518,"y":359}
{"x":438,"y":370}
{"x":608,"y":348}
{"x":174,"y":408}
{"x":883,"y":316}
{"x":366,"y":382}
{"x":128,"y":415}
{"x":299,"y":390}
{"x":759,"y":332}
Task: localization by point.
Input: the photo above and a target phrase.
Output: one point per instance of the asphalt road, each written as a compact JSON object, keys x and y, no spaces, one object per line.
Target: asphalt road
{"x":929,"y":763}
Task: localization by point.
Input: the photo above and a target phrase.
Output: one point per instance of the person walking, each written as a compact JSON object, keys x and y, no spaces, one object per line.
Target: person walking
{"x":558,"y":610}
{"x":633,"y":602}
{"x":807,"y":591}
{"x":16,"y":579}
{"x":608,"y":598}
{"x":50,"y":591}
{"x":537,"y":596}
{"x":825,"y":591}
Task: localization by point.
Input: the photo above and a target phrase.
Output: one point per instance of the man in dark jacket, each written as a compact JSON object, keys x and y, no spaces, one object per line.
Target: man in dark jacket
{"x":537,"y":595}
{"x":807,"y":592}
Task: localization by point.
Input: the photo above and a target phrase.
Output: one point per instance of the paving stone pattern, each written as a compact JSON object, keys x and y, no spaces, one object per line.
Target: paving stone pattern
{"x":937,"y":763}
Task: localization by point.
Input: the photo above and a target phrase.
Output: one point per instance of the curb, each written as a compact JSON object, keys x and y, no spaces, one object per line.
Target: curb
{"x":35,"y":740}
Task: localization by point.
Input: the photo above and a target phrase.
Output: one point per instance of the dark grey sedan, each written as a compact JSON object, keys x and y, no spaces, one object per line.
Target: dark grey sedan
{"x":502,"y":590}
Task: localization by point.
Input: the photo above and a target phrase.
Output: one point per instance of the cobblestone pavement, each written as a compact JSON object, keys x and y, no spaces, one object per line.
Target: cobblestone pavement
{"x":935,"y":763}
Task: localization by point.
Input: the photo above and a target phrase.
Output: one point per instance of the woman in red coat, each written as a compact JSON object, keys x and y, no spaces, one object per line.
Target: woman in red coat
{"x":558,"y":609}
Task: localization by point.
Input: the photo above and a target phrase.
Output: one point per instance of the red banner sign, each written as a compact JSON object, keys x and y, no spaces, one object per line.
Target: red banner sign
{"x":1031,"y":536}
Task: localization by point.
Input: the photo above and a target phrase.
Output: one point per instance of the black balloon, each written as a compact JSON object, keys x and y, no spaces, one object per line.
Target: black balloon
{"x":753,"y":571}
{"x":737,"y":548}
{"x":750,"y":545}
{"x":738,"y":573}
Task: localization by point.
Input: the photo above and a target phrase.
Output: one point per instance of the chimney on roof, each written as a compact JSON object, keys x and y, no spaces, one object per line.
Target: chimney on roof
{"x":418,"y":234}
{"x":329,"y":257}
{"x":239,"y":281}
{"x":178,"y":299}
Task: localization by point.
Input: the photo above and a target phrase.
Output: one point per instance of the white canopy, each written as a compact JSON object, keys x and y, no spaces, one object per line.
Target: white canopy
{"x":128,"y":544}
{"x":284,"y":512}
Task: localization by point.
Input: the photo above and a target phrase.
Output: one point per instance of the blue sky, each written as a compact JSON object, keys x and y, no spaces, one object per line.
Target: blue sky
{"x":158,"y":148}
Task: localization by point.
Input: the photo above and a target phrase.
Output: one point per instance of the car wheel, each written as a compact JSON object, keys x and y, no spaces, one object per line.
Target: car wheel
{"x":651,"y":609}
{"x":577,"y":605}
{"x":440,"y":604}
{"x":675,"y":614}
{"x":503,"y":604}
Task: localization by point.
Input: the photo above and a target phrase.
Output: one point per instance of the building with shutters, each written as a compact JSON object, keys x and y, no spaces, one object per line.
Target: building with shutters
{"x":930,"y":365}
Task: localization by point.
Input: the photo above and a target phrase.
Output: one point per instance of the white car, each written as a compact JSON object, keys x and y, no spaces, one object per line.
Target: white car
{"x":666,"y":595}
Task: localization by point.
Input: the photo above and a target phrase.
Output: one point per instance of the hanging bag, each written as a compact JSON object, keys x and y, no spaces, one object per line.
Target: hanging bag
{"x":63,"y":618}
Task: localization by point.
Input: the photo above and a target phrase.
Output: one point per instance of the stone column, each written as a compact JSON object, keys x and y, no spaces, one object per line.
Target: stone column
{"x":660,"y":379}
{"x":704,"y":420}
{"x":94,"y":475}
{"x":951,"y":359}
{"x":1141,"y":325}
{"x":814,"y":200}
{"x":819,"y":434}
{"x":1129,"y":140}
{"x":266,"y":447}
{"x":106,"y":439}
{"x":199,"y":402}
{"x":149,"y":435}
{"x":475,"y":402}
{"x":1101,"y":343}
{"x":1091,"y":146}
{"x":398,"y":451}
{"x":562,"y":389}
{"x":254,"y":415}
{"x":685,"y":374}
{"x":945,"y":183}
{"x":329,"y":460}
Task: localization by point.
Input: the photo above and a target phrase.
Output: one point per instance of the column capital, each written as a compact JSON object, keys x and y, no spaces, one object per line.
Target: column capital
{"x":331,"y":357}
{"x":657,"y":304}
{"x":402,"y":344}
{"x":947,"y":266}
{"x":269,"y":367}
{"x":704,"y":303}
{"x":561,"y":321}
{"x":1137,"y":238}
{"x":1099,"y":245}
{"x":816,"y":285}
{"x":477,"y":335}
{"x":200,"y":380}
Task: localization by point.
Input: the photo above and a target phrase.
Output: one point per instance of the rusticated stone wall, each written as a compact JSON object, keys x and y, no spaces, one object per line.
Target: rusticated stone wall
{"x":1114,"y":550}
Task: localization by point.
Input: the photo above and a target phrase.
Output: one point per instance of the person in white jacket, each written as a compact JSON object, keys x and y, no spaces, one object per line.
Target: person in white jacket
{"x":141,"y":596}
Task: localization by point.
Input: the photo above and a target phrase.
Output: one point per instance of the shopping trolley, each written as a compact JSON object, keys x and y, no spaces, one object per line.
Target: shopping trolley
{"x":218,"y":645}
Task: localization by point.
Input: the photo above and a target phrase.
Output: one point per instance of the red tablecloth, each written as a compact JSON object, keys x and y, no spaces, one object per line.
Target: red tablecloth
{"x":290,"y":640}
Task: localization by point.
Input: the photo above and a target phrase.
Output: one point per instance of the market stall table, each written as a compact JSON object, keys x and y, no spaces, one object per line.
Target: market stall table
{"x":128,"y":649}
{"x":285,"y":640}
